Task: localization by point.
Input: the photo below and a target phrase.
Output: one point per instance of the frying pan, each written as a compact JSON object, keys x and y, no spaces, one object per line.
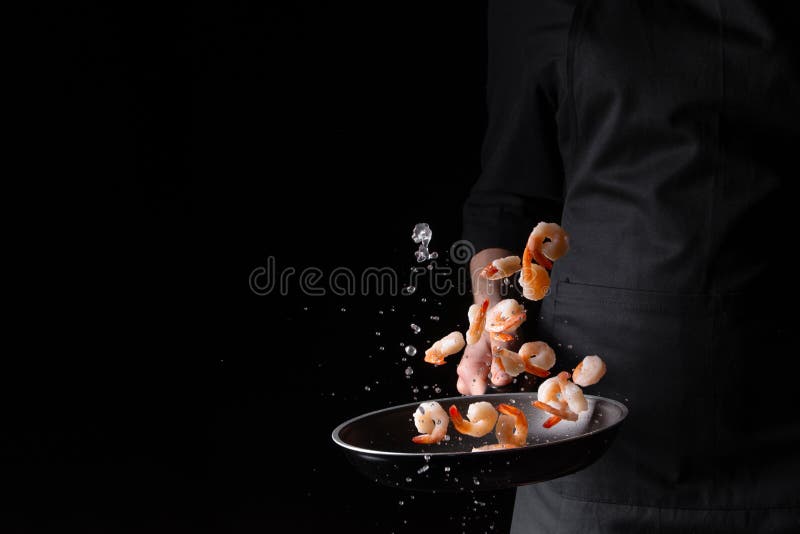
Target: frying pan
{"x":379,"y":445}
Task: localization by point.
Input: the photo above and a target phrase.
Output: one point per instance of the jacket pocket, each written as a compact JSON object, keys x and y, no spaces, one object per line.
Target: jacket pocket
{"x":656,"y":347}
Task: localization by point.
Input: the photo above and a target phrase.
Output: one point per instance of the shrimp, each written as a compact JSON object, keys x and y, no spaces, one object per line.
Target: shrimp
{"x":514,"y":364}
{"x":505,"y":435}
{"x":538,"y":358}
{"x":482,"y":417}
{"x":589,"y":371}
{"x":545,"y":253}
{"x":534,"y":280}
{"x":505,"y":317}
{"x":447,"y":346}
{"x":516,"y":434}
{"x":502,"y":268}
{"x":560,"y":398}
{"x":477,"y":322}
{"x":431,"y":421}
{"x":509,"y":361}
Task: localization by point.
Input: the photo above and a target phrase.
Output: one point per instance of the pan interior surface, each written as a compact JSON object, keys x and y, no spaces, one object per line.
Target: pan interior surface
{"x":389,"y":431}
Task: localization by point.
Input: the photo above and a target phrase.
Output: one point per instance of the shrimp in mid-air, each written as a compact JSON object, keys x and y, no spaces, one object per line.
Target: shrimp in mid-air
{"x":447,"y":346}
{"x":512,"y":427}
{"x":431,"y":421}
{"x":502,"y":268}
{"x":504,"y":318}
{"x":482,"y":417}
{"x":514,"y":364}
{"x":477,"y":322}
{"x":589,"y":371}
{"x":534,"y":279}
{"x":546,"y":252}
{"x":538,"y":358}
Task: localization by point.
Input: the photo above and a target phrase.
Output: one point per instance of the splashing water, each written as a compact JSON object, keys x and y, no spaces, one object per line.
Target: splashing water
{"x":411,"y":350}
{"x":416,"y":328}
{"x":422,"y":234}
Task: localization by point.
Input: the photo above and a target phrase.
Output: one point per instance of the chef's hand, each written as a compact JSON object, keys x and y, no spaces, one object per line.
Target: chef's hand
{"x":478,"y":367}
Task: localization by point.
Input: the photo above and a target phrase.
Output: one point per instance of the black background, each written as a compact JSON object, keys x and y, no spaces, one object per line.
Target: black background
{"x":157,"y":392}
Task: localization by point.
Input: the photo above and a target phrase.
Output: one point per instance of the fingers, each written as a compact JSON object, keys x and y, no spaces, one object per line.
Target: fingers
{"x":499,"y":377}
{"x":473,"y":369}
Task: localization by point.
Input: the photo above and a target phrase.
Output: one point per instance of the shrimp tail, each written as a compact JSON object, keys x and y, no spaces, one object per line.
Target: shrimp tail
{"x":424,"y":439}
{"x":551,"y":421}
{"x":457,"y":420}
{"x":536,"y":370}
{"x":501,"y":336}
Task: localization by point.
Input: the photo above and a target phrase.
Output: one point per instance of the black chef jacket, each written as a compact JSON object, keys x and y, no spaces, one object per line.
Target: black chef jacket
{"x":663,"y":136}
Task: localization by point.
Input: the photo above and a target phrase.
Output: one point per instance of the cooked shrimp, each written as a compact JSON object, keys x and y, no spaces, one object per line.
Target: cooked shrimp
{"x":519,"y":434}
{"x":505,"y":317}
{"x":558,"y":409}
{"x":509,"y":361}
{"x":447,"y":346}
{"x":538,"y":357}
{"x":482,"y":417}
{"x":560,"y":398}
{"x":477,"y":322}
{"x":573,"y":395}
{"x":589,"y":371}
{"x":534,"y":279}
{"x":431,"y":421}
{"x":502,"y":268}
{"x":545,"y":253}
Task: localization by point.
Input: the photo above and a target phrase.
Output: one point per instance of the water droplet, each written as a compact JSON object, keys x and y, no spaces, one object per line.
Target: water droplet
{"x":437,"y":389}
{"x":305,"y":308}
{"x":426,"y":457}
{"x":415,"y":390}
{"x":433,"y":255}
{"x":476,"y":481}
{"x":377,"y":333}
{"x":401,"y":503}
{"x":447,"y":469}
{"x":423,"y":469}
{"x":409,"y":371}
{"x":423,"y":299}
{"x":408,"y":479}
{"x":416,"y":329}
{"x":380,"y":312}
{"x":343,"y":309}
{"x":381,"y":348}
{"x":434,"y":317}
{"x":411,"y":350}
{"x":408,"y":290}
{"x":569,"y":346}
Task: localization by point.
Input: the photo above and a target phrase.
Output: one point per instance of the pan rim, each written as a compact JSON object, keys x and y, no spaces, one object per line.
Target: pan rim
{"x":335,"y":435}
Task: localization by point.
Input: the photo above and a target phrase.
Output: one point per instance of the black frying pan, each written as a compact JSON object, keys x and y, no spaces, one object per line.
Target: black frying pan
{"x":379,"y":445}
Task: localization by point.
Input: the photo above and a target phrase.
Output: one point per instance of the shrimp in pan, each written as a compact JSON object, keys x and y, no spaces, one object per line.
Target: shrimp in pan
{"x":504,"y":318}
{"x":546,"y":252}
{"x":534,"y":279}
{"x":447,"y":346}
{"x":589,"y":371}
{"x":502,"y":268}
{"x":477,"y":322}
{"x":560,"y":398}
{"x":482,"y":417}
{"x":512,"y":428}
{"x":431,"y":421}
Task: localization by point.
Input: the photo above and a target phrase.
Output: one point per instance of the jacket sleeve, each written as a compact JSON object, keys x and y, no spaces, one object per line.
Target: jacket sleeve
{"x":522,"y":175}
